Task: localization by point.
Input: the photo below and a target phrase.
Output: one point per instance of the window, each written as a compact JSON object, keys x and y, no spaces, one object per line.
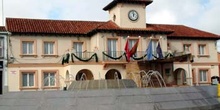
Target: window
{"x":78,"y":46}
{"x":49,"y":79}
{"x":27,"y":47}
{"x":28,"y":79}
{"x":202,"y":48}
{"x":49,"y":48}
{"x":187,"y":47}
{"x":112,"y":47}
{"x":203,"y":75}
{"x":1,"y":47}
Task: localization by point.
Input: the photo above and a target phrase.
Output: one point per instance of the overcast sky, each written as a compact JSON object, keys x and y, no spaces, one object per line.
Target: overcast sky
{"x":201,"y":14}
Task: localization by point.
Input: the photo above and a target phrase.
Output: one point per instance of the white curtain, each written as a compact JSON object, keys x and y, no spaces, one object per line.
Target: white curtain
{"x":112,"y":47}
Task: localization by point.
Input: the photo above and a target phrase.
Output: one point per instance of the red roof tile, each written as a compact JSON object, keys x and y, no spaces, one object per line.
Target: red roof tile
{"x":2,"y":29}
{"x":50,"y":26}
{"x":115,"y":2}
{"x":39,"y":26}
{"x":180,"y":31}
{"x":112,"y":26}
{"x":19,"y":25}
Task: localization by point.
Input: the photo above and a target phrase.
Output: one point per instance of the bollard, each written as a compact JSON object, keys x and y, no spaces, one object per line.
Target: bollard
{"x":218,"y":90}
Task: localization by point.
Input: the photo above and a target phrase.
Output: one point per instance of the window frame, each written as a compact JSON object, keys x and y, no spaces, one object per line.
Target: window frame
{"x":117,"y":46}
{"x":189,"y":47}
{"x":208,"y":75}
{"x":56,"y":72}
{"x":34,"y":54}
{"x":55,"y":48}
{"x":206,"y":52}
{"x":83,"y":47}
{"x":34,"y":72}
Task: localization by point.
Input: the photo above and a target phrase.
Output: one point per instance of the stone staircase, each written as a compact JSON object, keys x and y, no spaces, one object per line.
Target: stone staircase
{"x":102,"y":84}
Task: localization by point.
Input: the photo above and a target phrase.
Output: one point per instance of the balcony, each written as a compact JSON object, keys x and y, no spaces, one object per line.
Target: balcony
{"x":115,"y":57}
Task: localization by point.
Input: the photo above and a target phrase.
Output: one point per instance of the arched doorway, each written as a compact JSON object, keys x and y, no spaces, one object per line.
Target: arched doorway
{"x":180,"y":76}
{"x":113,"y":74}
{"x":84,"y":75}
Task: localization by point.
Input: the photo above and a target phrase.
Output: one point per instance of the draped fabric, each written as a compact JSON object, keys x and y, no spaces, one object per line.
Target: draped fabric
{"x":130,"y":52}
{"x":149,"y":51}
{"x":127,"y":51}
{"x":134,"y":48}
{"x":112,"y":47}
{"x":159,"y":51}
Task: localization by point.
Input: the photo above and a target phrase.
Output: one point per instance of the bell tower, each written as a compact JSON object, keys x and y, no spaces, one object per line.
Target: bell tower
{"x":128,"y":13}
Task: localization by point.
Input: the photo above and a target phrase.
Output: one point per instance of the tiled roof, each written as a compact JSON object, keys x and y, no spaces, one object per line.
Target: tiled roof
{"x":39,"y":26}
{"x":114,"y":2}
{"x":181,"y":31}
{"x":19,"y":25}
{"x":2,"y":29}
{"x":50,"y":26}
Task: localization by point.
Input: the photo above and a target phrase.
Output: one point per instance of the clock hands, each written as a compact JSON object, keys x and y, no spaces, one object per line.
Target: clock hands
{"x":133,"y":15}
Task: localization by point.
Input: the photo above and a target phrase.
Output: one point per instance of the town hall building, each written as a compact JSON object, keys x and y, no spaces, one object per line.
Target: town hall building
{"x":49,"y":54}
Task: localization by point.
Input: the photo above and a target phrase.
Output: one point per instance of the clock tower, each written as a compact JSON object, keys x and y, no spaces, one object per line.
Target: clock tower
{"x":128,"y":13}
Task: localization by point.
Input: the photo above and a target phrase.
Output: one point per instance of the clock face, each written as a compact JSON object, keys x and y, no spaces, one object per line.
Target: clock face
{"x":133,"y":15}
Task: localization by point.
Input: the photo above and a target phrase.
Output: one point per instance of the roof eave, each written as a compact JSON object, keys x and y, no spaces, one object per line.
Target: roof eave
{"x":114,"y":2}
{"x":195,"y":37}
{"x":43,"y":33}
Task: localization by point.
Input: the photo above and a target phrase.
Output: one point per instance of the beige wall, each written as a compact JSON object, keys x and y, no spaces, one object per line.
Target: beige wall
{"x":99,"y":69}
{"x":98,"y":72}
{"x":211,"y":49}
{"x":14,"y":78}
{"x":64,"y":45}
{"x":209,"y":62}
{"x":122,"y":20}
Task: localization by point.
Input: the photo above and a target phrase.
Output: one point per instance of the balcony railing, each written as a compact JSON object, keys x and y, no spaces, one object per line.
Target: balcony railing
{"x":115,"y":56}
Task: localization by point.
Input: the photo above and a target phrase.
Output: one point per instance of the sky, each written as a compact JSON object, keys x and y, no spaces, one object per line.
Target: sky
{"x":200,"y":14}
